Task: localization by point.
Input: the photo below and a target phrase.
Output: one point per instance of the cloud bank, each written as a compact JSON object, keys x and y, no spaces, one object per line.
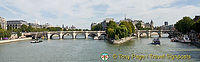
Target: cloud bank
{"x":82,"y":13}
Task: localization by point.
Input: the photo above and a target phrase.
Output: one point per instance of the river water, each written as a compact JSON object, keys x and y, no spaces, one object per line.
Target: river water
{"x":88,"y":50}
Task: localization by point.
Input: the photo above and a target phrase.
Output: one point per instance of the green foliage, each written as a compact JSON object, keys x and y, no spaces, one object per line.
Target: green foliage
{"x":139,"y":25}
{"x":111,"y":33}
{"x":0,"y":26}
{"x":74,"y":30}
{"x":184,"y":25}
{"x":128,"y":26}
{"x":97,"y":27}
{"x":54,"y":28}
{"x":196,"y":26}
{"x":24,"y":28}
{"x":145,"y":28}
{"x":124,"y":29}
{"x":112,"y":24}
{"x":86,"y":30}
{"x":4,"y":33}
{"x":132,"y":26}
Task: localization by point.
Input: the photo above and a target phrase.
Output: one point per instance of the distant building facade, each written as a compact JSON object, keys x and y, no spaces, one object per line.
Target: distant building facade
{"x":167,"y":27}
{"x":16,"y":23}
{"x":46,"y":25}
{"x":3,"y":23}
{"x":35,"y":25}
{"x":72,"y":27}
{"x":143,"y":25}
{"x":166,"y":23}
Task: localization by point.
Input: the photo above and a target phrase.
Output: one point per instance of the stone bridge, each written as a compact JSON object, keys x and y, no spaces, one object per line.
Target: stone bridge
{"x":61,"y":34}
{"x":149,"y":32}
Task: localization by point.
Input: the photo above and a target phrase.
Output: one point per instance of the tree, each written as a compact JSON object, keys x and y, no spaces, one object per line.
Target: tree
{"x":124,"y":31}
{"x":184,"y":25}
{"x":97,"y":27}
{"x":0,"y":26}
{"x":132,"y":26}
{"x":4,"y":33}
{"x":196,"y":26}
{"x":128,"y":26}
{"x":138,"y":25}
{"x":112,"y":24}
{"x":111,"y":33}
{"x":24,"y":28}
{"x":30,"y":29}
{"x":54,"y":28}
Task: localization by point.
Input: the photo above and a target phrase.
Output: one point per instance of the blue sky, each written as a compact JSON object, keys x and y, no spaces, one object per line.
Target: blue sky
{"x":82,"y":13}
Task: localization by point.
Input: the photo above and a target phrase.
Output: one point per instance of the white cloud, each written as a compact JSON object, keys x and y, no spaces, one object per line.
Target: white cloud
{"x":81,"y":12}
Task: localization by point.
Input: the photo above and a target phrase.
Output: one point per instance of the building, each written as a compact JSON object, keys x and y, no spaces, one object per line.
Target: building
{"x":46,"y":25}
{"x":3,"y":23}
{"x":167,"y":27}
{"x":72,"y":27}
{"x":63,"y":26}
{"x":16,"y":23}
{"x":166,"y":23}
{"x":35,"y":25}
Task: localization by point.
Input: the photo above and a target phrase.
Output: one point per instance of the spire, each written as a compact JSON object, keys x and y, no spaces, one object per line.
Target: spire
{"x":151,"y":22}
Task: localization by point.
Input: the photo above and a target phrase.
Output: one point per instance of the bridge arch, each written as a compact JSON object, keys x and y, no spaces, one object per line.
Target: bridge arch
{"x":51,"y":37}
{"x":80,"y":34}
{"x":67,"y":35}
{"x":143,"y":33}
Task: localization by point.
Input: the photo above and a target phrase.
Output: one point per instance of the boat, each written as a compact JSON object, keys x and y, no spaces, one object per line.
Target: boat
{"x":37,"y":41}
{"x":156,"y":41}
{"x":182,"y":39}
{"x":40,"y":40}
{"x":175,"y":39}
{"x":185,"y":39}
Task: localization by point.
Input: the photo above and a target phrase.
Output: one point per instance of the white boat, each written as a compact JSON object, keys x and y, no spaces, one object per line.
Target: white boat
{"x":185,"y":39}
{"x":35,"y":41}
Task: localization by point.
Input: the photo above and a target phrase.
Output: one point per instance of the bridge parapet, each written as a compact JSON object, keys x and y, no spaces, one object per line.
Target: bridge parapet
{"x":148,"y":32}
{"x":49,"y":34}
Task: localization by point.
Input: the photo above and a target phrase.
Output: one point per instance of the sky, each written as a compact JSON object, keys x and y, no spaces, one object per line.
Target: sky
{"x":81,"y":13}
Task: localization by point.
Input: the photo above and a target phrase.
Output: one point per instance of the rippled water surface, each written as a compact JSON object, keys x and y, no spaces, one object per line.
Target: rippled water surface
{"x":82,"y":50}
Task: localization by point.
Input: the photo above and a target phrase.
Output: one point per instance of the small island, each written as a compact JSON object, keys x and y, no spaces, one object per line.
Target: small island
{"x":117,"y":32}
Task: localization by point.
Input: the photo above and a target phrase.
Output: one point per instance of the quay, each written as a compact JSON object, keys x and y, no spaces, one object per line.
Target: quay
{"x":14,"y":40}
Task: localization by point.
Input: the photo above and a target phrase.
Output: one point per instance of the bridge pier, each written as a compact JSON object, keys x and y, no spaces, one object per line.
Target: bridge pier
{"x":86,"y":35}
{"x":148,"y":33}
{"x":138,"y":34}
{"x":61,"y":35}
{"x":48,"y":35}
{"x":73,"y":35}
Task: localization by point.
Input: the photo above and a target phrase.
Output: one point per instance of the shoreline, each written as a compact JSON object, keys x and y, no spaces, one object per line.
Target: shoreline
{"x":14,"y":40}
{"x":123,"y":40}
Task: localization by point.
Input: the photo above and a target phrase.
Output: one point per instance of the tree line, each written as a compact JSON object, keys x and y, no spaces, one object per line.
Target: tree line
{"x":186,"y":24}
{"x":25,"y":28}
{"x":116,"y":31}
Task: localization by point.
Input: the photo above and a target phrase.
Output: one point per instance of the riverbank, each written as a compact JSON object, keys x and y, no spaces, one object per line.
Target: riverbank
{"x":14,"y":40}
{"x":123,"y":40}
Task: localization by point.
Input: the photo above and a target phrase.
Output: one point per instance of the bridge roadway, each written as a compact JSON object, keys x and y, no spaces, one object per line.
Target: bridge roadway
{"x":61,"y":34}
{"x":149,"y":32}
